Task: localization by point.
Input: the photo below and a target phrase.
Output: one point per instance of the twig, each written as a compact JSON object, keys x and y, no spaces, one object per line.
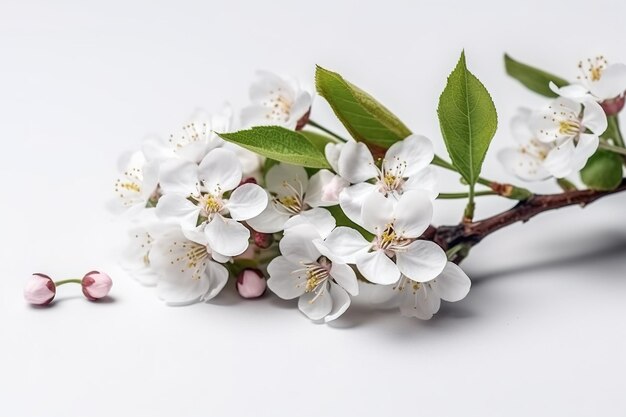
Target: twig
{"x":469,"y":234}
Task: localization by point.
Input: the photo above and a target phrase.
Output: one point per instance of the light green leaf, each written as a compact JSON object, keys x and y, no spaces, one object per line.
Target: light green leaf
{"x":468,"y":121}
{"x":280,"y":144}
{"x":365,"y":118}
{"x":533,"y":78}
{"x":603,"y":171}
{"x":318,"y":140}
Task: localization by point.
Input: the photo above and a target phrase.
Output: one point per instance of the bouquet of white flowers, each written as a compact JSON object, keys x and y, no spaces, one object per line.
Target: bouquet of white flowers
{"x":269,"y":193}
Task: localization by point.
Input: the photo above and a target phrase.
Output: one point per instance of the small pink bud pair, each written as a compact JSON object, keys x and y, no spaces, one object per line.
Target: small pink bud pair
{"x":251,"y":283}
{"x":41,"y":290}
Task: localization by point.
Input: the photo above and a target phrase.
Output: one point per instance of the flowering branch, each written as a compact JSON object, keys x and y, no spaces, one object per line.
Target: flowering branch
{"x":469,"y":234}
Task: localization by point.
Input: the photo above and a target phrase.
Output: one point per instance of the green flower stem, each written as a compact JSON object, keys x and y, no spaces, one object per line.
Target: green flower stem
{"x":566,"y":185}
{"x":614,"y":131}
{"x":68,"y":281}
{"x":504,"y":190}
{"x":450,"y":196}
{"x":323,"y":129}
{"x":612,"y":148}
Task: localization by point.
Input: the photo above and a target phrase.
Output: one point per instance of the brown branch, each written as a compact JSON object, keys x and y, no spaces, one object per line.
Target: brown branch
{"x":470,"y":234}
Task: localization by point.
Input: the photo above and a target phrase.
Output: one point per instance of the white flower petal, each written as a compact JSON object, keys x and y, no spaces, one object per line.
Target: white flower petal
{"x":217,"y":276}
{"x":574,"y":92}
{"x":594,"y":118}
{"x":315,"y":190}
{"x":345,"y":276}
{"x":180,"y":289}
{"x":409,"y":156}
{"x":611,"y":84}
{"x":520,"y":126}
{"x":377,"y":212}
{"x":247,"y":201}
{"x":341,"y":302}
{"x":422,"y":260}
{"x":220,"y":171}
{"x":297,"y":245}
{"x":376,"y":267}
{"x":271,"y":220}
{"x":351,"y":200}
{"x":332,"y":152}
{"x":413,"y":213}
{"x":344,"y":244}
{"x":452,"y":285}
{"x":418,"y":300}
{"x":178,"y":207}
{"x":227,"y":236}
{"x":315,"y":306}
{"x":356,"y":163}
{"x":523,"y":165}
{"x":287,"y":180}
{"x":179,"y":176}
{"x":587,"y":146}
{"x":284,"y":281}
{"x":425,"y":180}
{"x":559,"y":160}
{"x":319,"y":218}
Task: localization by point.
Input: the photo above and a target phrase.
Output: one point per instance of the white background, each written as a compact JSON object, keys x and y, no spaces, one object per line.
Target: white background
{"x":541,"y":333}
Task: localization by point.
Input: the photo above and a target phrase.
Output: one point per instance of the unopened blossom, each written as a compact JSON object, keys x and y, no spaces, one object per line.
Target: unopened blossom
{"x":276,"y":101}
{"x":423,"y":299}
{"x":195,"y":197}
{"x":187,"y":274}
{"x":405,"y":167}
{"x":251,"y":283}
{"x":96,"y":285}
{"x":291,"y":192}
{"x":39,"y":290}
{"x":136,"y":187}
{"x":527,"y":158}
{"x":395,"y":248}
{"x":597,"y":80}
{"x":323,"y":287}
{"x":573,"y":129}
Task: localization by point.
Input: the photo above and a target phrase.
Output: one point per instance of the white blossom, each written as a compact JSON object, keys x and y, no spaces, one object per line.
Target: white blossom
{"x":395,"y":248}
{"x":573,"y":129}
{"x":405,"y":167}
{"x":291,"y":192}
{"x":275,"y":101}
{"x":323,"y":287}
{"x":526,"y":160}
{"x":196,"y":197}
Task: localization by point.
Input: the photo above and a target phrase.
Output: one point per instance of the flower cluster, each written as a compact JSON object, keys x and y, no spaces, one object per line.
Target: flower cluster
{"x":204,"y":210}
{"x":557,"y":140}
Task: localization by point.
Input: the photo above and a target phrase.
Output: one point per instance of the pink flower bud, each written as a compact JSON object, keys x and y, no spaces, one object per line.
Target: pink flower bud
{"x":251,"y":283}
{"x":613,"y":106}
{"x":330,"y":192}
{"x":96,"y":285}
{"x":263,"y":240}
{"x":39,"y":290}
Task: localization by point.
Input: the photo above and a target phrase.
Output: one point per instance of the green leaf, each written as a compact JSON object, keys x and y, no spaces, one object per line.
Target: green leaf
{"x":280,"y":144}
{"x":342,"y":220}
{"x":468,"y":121}
{"x":533,"y":78}
{"x":318,"y":140}
{"x":603,"y":171}
{"x":365,"y":118}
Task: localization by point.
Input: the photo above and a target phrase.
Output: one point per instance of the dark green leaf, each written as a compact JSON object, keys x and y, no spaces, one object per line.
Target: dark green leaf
{"x":603,"y":171}
{"x":533,"y":78}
